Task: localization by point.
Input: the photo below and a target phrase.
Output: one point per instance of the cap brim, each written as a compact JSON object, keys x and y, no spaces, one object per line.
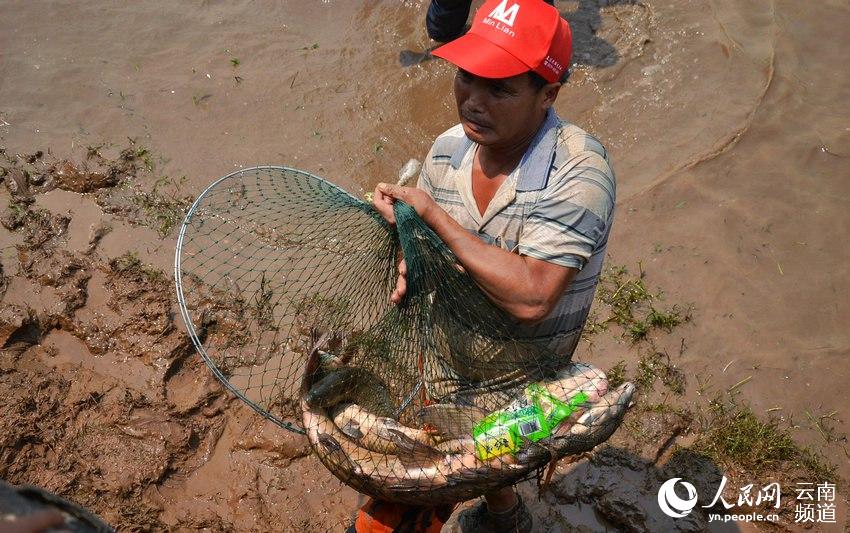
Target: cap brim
{"x":479,"y":56}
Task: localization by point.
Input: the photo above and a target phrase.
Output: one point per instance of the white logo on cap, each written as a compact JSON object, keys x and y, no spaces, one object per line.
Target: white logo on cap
{"x":505,"y":14}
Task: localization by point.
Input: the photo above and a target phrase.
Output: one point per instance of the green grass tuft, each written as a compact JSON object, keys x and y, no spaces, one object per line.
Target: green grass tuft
{"x":655,"y":366}
{"x":616,"y":375}
{"x":667,"y":320}
{"x":628,"y":303}
{"x":735,"y":435}
{"x":161,"y":213}
{"x":129,"y":263}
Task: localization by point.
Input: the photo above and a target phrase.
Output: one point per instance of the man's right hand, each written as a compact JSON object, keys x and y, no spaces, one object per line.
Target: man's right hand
{"x":386,"y":195}
{"x":401,"y":283}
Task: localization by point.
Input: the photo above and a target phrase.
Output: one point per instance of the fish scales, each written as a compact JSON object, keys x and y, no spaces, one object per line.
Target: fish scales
{"x":454,"y":473}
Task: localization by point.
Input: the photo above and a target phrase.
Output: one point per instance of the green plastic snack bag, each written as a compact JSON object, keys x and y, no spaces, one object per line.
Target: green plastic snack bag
{"x":532,"y":417}
{"x":494,"y":436}
{"x":553,"y":408}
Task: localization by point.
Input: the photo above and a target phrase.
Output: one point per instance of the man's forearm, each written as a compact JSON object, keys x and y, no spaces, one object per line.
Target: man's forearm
{"x":505,"y":277}
{"x":525,"y":287}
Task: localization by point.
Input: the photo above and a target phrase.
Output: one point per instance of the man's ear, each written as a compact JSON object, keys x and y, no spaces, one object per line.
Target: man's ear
{"x":549,"y":94}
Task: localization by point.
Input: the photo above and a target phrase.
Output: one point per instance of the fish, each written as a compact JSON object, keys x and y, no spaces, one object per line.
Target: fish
{"x":449,"y":471}
{"x":418,"y":474}
{"x":377,"y":433}
{"x":451,"y":421}
{"x":360,"y":405}
{"x":457,"y":445}
{"x":577,"y":377}
{"x":408,"y":171}
{"x":353,"y":385}
{"x":601,"y":414}
{"x":379,"y":475}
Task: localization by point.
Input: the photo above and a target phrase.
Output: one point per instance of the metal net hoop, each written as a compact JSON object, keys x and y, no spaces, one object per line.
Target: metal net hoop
{"x":240,"y":250}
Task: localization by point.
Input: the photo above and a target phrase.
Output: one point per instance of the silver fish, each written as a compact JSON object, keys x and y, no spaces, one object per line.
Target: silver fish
{"x":450,"y":472}
{"x":377,"y":433}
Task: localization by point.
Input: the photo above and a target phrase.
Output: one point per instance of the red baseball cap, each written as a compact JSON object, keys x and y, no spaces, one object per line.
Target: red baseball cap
{"x":509,"y":37}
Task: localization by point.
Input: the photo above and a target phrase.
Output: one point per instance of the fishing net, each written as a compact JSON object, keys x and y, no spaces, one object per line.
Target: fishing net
{"x":284,"y":279}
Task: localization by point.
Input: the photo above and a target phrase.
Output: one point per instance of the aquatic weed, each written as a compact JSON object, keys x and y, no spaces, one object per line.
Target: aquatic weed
{"x":628,"y":303}
{"x":616,"y":375}
{"x":733,"y":434}
{"x":129,"y":263}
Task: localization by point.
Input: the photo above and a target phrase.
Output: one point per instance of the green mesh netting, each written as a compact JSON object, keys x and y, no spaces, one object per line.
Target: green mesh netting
{"x":283,"y":280}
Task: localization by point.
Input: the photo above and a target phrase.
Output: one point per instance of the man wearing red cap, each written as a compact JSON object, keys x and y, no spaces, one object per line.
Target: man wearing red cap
{"x":523,"y":199}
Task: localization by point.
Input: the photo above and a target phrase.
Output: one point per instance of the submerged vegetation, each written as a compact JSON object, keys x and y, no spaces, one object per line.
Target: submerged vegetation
{"x":624,"y":300}
{"x":733,"y":435}
{"x":130,"y":264}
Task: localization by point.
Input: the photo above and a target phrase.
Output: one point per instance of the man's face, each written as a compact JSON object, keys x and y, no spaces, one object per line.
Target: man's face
{"x":496,"y":112}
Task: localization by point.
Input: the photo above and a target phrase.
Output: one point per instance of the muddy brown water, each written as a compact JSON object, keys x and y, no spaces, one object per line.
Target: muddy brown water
{"x":727,"y":122}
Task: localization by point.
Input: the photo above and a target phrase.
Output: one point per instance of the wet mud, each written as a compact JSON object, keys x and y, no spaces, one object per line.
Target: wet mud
{"x":106,"y":403}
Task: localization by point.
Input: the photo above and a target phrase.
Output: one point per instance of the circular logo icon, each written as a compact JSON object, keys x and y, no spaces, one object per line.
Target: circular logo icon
{"x":671,"y":504}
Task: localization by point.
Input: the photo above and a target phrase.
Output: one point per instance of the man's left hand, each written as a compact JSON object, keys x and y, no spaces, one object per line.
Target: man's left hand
{"x":386,"y":194}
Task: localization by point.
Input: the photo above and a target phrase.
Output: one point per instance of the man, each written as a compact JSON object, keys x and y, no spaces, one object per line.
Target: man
{"x":446,"y":18}
{"x":523,"y":199}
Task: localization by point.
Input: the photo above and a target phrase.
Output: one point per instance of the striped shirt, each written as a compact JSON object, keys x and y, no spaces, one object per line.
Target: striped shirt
{"x":557,"y":205}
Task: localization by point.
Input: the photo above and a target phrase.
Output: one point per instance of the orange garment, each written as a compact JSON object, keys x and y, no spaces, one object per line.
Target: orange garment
{"x":387,"y":517}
